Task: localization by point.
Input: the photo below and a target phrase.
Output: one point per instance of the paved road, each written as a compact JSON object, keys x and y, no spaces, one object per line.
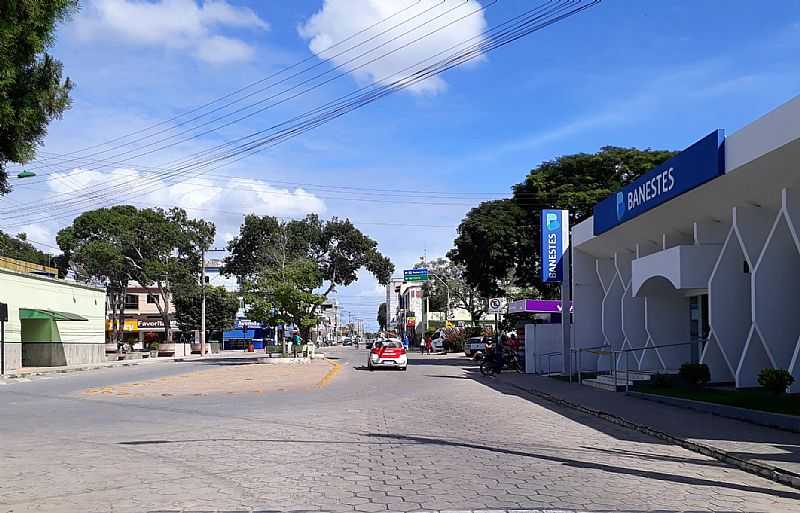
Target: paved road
{"x":432,"y":438}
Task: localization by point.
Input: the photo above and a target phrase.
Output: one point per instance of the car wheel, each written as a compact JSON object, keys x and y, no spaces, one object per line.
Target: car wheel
{"x":403,"y":368}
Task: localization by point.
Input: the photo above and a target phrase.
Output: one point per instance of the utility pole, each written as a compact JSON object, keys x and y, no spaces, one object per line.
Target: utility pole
{"x":203,"y":304}
{"x":203,"y":296}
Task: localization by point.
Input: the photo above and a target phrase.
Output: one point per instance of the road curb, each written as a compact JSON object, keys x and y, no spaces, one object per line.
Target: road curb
{"x":82,"y":368}
{"x":767,"y":471}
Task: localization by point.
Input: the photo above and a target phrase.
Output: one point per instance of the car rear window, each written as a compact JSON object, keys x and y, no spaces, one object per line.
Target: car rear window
{"x":389,"y":343}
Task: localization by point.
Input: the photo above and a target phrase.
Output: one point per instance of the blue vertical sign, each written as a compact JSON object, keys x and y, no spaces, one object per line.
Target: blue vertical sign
{"x":555,"y":241}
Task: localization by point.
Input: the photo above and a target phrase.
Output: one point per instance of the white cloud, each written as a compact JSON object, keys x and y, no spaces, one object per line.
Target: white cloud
{"x":220,"y":49}
{"x":223,"y":203}
{"x":40,"y":236}
{"x":339,"y":19}
{"x":177,"y":24}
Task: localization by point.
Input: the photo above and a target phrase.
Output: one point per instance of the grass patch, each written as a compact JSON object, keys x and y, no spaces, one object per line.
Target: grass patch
{"x":750,"y":398}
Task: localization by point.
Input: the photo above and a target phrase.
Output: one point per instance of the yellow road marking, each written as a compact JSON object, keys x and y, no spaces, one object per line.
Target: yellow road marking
{"x":334,"y":370}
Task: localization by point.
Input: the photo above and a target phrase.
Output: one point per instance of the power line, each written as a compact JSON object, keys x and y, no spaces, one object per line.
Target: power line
{"x":530,"y":21}
{"x":255,"y":83}
{"x":248,"y":148}
{"x":340,"y":66}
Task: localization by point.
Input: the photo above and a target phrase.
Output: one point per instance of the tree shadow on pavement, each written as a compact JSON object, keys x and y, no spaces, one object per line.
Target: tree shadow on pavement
{"x":613,"y":469}
{"x":779,"y":446}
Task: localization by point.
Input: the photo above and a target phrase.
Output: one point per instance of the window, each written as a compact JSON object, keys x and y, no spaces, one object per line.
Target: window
{"x":152,"y":299}
{"x":131,"y":302}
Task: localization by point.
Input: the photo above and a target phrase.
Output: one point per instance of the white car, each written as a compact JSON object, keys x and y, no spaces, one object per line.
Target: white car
{"x":438,"y":342}
{"x":387,"y":353}
{"x":474,"y":346}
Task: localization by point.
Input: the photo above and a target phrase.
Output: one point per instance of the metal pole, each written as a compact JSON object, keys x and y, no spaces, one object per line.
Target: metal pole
{"x":627,"y":371}
{"x":2,"y":347}
{"x":566,"y":301}
{"x":203,"y":303}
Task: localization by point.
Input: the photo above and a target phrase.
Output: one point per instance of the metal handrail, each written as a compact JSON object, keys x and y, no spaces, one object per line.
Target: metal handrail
{"x":549,"y":357}
{"x":578,"y":360}
{"x":629,"y":350}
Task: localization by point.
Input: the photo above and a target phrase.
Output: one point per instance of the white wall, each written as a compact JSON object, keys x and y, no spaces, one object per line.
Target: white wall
{"x":82,"y":341}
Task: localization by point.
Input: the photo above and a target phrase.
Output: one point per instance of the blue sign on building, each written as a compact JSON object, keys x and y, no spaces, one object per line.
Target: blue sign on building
{"x":555,"y":241}
{"x":697,"y":164}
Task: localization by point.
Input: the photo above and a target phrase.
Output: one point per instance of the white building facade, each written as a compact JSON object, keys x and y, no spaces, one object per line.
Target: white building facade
{"x":699,"y":260}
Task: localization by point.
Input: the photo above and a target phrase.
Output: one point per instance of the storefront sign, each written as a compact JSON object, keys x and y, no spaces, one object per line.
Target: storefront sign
{"x":411,"y":322}
{"x":697,"y":164}
{"x":536,"y":306}
{"x":156,"y":324}
{"x":555,"y":241}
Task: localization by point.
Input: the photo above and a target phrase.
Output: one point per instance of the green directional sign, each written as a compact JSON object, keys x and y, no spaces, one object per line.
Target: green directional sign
{"x":415,"y":275}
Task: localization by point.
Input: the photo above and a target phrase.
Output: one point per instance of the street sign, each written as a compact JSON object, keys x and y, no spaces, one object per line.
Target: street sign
{"x":415,"y":275}
{"x":495,"y":305}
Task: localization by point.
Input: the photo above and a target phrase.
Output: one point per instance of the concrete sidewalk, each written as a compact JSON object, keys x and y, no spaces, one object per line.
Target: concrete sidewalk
{"x":764,"y":446}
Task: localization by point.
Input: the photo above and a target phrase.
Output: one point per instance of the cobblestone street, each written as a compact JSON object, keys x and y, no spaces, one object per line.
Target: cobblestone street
{"x":432,"y":438}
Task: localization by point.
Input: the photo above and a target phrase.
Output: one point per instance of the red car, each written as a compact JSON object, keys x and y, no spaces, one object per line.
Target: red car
{"x":387,"y":353}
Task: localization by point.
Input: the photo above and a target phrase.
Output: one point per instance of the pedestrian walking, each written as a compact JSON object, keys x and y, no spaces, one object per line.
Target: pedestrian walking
{"x":429,"y":344}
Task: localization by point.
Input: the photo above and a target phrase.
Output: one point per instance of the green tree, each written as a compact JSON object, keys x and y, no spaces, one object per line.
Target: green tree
{"x":221,"y":307}
{"x":382,"y":320}
{"x":32,"y":91}
{"x":19,"y":248}
{"x":498,"y":241}
{"x":285,"y":295}
{"x":98,"y":246}
{"x":166,"y":253}
{"x":268,"y":256}
{"x":489,"y":241}
{"x":463,"y":295}
{"x":154,"y":247}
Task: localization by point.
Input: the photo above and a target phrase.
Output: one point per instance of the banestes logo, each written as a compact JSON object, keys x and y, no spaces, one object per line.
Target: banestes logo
{"x":552,"y":222}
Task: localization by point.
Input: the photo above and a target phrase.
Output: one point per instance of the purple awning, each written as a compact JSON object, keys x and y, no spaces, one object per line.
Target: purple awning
{"x":536,"y":306}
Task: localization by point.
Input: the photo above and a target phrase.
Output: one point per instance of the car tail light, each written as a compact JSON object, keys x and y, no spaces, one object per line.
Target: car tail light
{"x":402,"y":350}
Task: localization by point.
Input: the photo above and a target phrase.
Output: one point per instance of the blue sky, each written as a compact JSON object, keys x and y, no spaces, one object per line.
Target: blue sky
{"x":657,"y":74}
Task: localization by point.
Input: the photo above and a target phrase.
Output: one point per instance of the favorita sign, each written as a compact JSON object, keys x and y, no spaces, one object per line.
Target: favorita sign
{"x":555,"y":241}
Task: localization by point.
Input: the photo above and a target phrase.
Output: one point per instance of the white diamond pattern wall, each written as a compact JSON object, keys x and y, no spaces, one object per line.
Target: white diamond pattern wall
{"x":776,"y":290}
{"x":730,"y":308}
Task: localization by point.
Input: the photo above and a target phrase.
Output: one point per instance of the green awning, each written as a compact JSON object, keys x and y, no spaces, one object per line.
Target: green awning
{"x":29,"y":313}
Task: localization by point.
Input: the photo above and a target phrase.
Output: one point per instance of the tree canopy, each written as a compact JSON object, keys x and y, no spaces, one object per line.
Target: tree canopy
{"x":289,"y":268}
{"x":32,"y":91}
{"x":157,"y":248}
{"x":498,"y":241}
{"x":19,"y":248}
{"x":463,"y":294}
{"x":383,"y":322}
{"x":221,"y":307}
